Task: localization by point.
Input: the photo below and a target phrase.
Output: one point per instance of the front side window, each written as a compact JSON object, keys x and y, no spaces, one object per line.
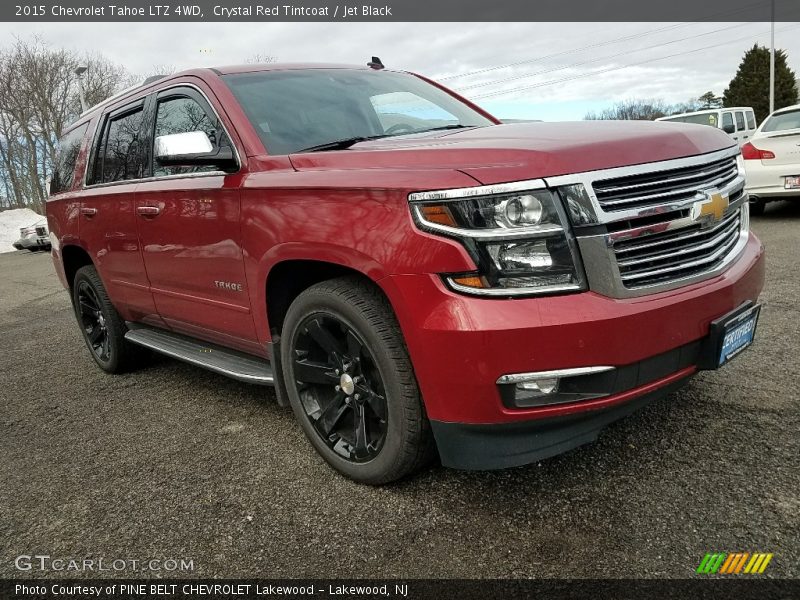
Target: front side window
{"x":69,"y":147}
{"x":789,"y":119}
{"x":727,"y":120}
{"x":739,"y":120}
{"x":295,"y":110}
{"x":121,"y":153}
{"x":182,"y":115}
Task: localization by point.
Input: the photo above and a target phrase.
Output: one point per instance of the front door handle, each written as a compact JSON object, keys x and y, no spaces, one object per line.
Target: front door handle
{"x":88,"y":212}
{"x":148,"y":211}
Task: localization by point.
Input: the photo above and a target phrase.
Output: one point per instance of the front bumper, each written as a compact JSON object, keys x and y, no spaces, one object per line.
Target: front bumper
{"x":461,"y":345}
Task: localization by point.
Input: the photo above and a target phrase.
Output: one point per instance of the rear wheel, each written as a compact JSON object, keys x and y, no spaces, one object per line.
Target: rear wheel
{"x":350,"y":382}
{"x":102,"y":327}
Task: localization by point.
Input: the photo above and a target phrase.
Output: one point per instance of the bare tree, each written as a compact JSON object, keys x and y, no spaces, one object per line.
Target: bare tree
{"x":39,"y":98}
{"x":633,"y":109}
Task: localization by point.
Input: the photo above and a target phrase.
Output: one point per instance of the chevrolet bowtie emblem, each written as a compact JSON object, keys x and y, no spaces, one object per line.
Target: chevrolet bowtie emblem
{"x":711,"y":209}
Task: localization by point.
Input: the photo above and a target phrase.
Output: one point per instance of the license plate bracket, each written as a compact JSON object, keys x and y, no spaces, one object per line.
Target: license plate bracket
{"x":729,"y":335}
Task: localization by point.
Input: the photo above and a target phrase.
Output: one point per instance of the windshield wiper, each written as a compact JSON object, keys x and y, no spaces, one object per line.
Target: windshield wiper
{"x":341,"y":144}
{"x":444,"y":127}
{"x":345,"y":143}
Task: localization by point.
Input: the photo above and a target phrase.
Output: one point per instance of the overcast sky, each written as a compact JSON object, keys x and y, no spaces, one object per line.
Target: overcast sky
{"x":557,"y":75}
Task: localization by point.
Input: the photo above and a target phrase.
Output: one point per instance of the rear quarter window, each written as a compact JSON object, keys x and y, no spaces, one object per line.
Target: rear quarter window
{"x":69,"y":148}
{"x":751,"y":120}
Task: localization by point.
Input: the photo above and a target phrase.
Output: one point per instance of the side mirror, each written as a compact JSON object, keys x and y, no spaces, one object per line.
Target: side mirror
{"x":729,"y":128}
{"x":192,"y":149}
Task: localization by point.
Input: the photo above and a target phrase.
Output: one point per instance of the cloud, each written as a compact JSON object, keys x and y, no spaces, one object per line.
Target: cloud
{"x":554,"y":67}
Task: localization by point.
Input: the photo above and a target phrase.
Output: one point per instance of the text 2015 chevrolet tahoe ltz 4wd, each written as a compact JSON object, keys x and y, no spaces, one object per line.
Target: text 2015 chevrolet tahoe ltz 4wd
{"x":412,"y":276}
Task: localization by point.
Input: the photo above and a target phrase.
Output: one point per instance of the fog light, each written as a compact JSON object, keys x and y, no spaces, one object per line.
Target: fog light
{"x":540,"y":386}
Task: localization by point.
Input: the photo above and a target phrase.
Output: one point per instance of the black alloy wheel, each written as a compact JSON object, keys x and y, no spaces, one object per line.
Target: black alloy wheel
{"x":102,"y":327}
{"x":93,"y":322}
{"x":351,"y":384}
{"x":340,"y":387}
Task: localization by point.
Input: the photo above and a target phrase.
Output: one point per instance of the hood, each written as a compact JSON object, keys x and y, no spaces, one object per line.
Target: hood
{"x":511,"y":152}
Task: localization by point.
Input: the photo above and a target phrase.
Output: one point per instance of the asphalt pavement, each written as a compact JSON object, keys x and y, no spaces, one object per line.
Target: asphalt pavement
{"x":172,"y":462}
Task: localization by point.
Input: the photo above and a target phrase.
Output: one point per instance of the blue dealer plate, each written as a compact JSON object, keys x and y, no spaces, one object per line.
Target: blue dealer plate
{"x":738,"y":334}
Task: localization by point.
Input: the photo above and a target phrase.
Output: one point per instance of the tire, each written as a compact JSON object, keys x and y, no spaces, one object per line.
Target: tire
{"x":757,"y":206}
{"x":102,"y":328}
{"x":351,"y":384}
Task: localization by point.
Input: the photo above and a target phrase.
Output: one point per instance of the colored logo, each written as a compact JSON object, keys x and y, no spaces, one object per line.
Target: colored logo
{"x":735,"y":563}
{"x":710,"y":210}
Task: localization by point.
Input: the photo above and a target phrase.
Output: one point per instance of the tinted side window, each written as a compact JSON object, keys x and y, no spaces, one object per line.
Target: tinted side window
{"x":121,"y":154}
{"x":751,"y":120}
{"x":69,"y":147}
{"x":182,"y":115}
{"x":739,"y":120}
{"x":727,"y":120}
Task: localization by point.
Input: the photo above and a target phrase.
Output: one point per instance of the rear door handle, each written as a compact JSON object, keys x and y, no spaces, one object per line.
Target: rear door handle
{"x":148,"y":211}
{"x":88,"y":212}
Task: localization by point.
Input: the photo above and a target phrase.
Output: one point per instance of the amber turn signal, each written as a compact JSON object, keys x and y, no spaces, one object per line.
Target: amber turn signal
{"x":436,"y":213}
{"x":472,"y":281}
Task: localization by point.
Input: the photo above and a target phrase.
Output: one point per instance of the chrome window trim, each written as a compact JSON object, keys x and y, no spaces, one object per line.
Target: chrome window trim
{"x":101,"y":119}
{"x":560,"y":373}
{"x":481,"y":190}
{"x":588,"y":178}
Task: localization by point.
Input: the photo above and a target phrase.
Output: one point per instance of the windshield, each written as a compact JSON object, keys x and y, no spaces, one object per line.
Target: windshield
{"x":295,"y":110}
{"x":781,"y":121}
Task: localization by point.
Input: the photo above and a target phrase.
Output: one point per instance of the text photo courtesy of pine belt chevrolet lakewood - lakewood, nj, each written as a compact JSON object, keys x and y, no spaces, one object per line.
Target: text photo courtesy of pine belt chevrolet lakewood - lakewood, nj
{"x":320,"y":300}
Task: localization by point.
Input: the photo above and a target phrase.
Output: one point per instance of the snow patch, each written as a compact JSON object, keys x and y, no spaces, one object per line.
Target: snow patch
{"x":10,"y":223}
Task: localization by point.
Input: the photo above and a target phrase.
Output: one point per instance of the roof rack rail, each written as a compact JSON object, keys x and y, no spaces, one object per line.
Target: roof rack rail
{"x":120,"y":94}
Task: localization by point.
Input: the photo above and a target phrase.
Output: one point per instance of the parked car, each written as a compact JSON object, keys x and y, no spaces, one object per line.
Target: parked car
{"x":34,"y":238}
{"x":411,"y":275}
{"x":738,"y":122}
{"x":772,"y":159}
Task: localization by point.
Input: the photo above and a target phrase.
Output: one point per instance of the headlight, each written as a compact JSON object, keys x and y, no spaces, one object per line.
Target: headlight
{"x":520,"y":240}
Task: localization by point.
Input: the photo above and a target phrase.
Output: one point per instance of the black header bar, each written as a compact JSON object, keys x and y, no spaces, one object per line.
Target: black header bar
{"x":397,"y":10}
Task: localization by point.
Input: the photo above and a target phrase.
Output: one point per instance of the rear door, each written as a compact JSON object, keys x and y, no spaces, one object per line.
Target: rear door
{"x":188,"y":222}
{"x":107,"y":218}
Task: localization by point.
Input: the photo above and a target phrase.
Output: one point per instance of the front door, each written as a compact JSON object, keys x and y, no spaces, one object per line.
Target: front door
{"x":188,"y":222}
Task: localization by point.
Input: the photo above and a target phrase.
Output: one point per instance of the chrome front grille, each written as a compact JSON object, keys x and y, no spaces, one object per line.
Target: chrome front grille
{"x":658,"y":226}
{"x":668,"y":186}
{"x":670,"y":255}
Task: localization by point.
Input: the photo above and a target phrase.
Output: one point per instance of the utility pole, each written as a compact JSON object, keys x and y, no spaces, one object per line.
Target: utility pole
{"x":79,"y":72}
{"x":772,"y":62}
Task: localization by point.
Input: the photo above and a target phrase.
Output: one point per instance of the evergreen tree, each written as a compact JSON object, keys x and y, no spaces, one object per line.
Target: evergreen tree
{"x":750,"y":85}
{"x":710,"y":100}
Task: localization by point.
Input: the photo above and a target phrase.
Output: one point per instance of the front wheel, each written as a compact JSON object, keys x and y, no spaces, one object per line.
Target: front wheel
{"x":351,"y":384}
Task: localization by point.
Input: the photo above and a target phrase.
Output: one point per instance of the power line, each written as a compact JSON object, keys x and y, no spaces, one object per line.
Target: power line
{"x":620,"y":67}
{"x":594,"y":60}
{"x":599,"y":44}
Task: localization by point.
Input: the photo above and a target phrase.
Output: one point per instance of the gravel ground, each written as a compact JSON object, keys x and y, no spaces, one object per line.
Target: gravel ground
{"x":176,"y":462}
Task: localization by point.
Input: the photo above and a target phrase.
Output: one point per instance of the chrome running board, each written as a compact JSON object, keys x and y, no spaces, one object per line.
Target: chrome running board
{"x":233,"y":364}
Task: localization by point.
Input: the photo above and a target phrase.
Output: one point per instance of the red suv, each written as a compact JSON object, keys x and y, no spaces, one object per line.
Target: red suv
{"x":412,"y":276}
